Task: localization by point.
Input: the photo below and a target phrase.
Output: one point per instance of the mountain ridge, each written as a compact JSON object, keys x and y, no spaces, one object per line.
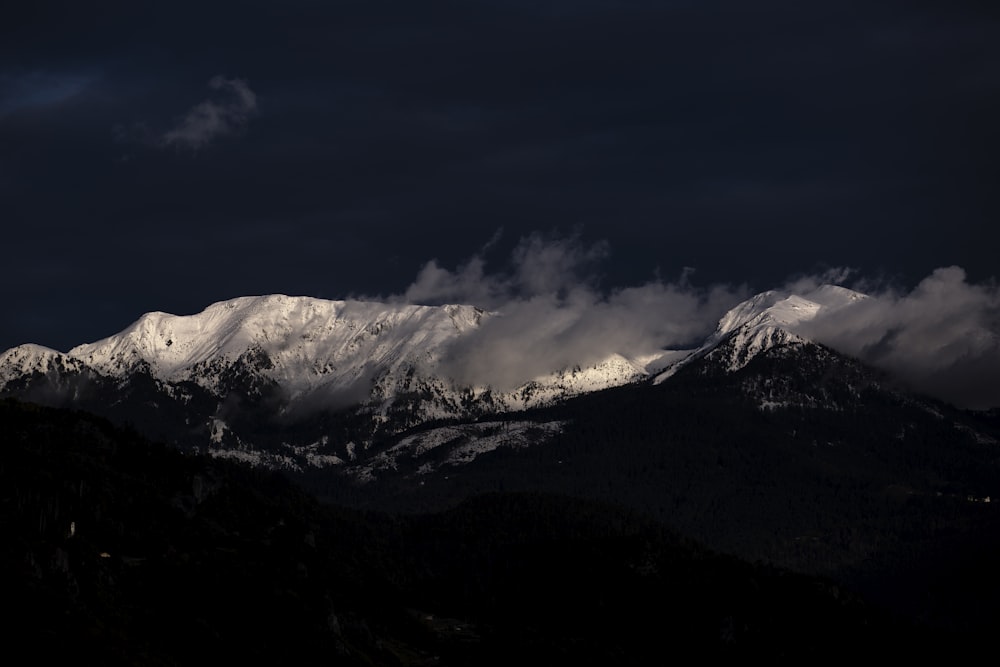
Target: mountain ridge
{"x":301,"y":383}
{"x":307,"y":343}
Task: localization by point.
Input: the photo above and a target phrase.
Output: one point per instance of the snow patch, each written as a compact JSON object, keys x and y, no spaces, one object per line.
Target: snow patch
{"x":456,"y":445}
{"x":217,"y":430}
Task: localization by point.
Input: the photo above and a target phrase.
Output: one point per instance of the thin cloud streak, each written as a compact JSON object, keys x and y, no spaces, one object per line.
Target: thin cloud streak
{"x":214,"y":118}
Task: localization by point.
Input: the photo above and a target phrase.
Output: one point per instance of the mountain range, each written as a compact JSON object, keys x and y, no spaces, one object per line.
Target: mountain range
{"x":755,"y":441}
{"x":387,"y":365}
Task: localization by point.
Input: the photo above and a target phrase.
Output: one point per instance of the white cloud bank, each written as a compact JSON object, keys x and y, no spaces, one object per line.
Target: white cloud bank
{"x":941,"y":338}
{"x":552,"y":315}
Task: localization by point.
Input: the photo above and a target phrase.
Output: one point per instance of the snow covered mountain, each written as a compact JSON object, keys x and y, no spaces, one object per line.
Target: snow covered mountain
{"x":303,"y":350}
{"x":243,"y":370}
{"x":355,"y":351}
{"x":303,"y":382}
{"x":758,"y":441}
{"x":300,"y":343}
{"x":765,"y":321}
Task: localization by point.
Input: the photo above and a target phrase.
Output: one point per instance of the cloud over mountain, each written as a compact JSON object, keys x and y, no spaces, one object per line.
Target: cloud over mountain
{"x":552,"y":313}
{"x":942,"y":337}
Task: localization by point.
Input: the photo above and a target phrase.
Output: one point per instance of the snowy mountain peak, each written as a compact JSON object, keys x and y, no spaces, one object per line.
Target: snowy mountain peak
{"x":304,"y":336}
{"x":767,"y":320}
{"x":783,"y":309}
{"x":27,"y":358}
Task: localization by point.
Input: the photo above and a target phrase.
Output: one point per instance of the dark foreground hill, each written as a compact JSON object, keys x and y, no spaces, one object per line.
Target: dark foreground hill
{"x":119,"y":551}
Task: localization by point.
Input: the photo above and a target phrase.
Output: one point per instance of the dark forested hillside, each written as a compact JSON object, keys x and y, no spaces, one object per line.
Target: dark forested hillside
{"x":119,"y":551}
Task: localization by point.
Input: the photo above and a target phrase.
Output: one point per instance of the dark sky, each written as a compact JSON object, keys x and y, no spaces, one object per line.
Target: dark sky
{"x":166,"y":158}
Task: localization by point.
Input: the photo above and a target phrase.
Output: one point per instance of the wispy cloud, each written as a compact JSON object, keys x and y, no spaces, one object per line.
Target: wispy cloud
{"x":942,"y":338}
{"x":551,"y":313}
{"x":226,"y":113}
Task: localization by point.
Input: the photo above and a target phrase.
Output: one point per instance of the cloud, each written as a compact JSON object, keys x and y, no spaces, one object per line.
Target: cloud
{"x":552,"y":315}
{"x":228,"y":112}
{"x":539,"y":265}
{"x":942,"y":338}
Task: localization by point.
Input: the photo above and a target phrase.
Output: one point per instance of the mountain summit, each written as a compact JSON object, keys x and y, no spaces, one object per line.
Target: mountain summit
{"x":765,"y":321}
{"x":302,"y":344}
